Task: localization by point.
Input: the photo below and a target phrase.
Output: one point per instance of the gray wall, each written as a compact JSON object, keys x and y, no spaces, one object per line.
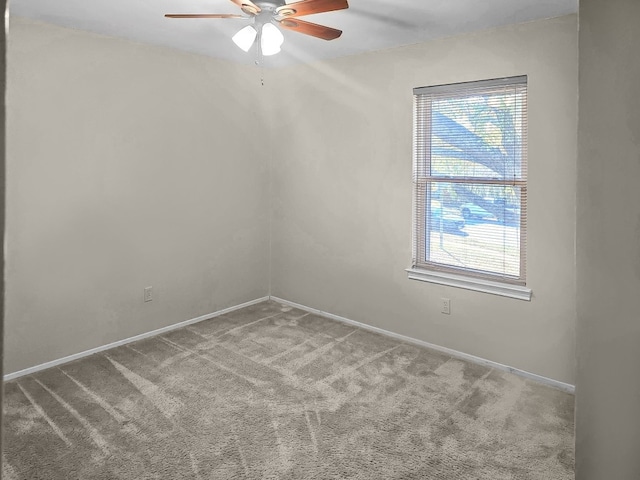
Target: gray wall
{"x":608,"y":242}
{"x":3,"y":76}
{"x":129,"y":167}
{"x":142,"y":175}
{"x":342,"y":193}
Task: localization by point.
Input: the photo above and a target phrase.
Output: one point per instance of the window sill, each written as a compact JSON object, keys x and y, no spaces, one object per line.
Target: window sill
{"x":479,"y":285}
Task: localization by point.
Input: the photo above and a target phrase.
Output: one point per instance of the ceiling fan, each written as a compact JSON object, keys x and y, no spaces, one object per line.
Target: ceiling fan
{"x":269,"y":14}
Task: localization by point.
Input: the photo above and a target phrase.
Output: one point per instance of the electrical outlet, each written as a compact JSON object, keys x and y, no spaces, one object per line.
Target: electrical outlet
{"x":446,"y":306}
{"x":148,"y":294}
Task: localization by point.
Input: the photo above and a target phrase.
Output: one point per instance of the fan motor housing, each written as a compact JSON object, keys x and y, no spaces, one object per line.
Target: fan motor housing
{"x":270,"y":5}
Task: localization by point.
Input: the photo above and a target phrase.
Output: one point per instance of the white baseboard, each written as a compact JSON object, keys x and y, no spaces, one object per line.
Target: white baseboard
{"x":566,"y":387}
{"x":153,"y":333}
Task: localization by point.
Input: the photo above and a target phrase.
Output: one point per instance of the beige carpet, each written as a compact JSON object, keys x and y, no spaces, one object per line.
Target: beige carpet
{"x":270,"y":392}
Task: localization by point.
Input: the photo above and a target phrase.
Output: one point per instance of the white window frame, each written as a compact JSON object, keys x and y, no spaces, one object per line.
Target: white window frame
{"x":442,"y":274}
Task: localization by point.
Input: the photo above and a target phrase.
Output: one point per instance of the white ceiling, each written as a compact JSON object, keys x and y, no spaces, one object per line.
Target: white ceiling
{"x":367,"y":24}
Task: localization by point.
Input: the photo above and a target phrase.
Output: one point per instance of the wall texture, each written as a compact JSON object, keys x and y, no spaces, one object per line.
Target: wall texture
{"x":129,"y":168}
{"x":608,"y":242}
{"x":342,"y":193}
{"x":142,"y":175}
{"x":3,"y":78}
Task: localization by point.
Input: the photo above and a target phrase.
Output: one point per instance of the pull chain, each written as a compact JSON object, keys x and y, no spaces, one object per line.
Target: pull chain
{"x":259,"y":56}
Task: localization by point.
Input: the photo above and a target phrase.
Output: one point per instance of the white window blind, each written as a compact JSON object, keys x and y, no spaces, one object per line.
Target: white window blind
{"x":470,"y":179}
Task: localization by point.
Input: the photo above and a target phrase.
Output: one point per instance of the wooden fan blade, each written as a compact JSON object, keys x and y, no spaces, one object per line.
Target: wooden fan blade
{"x":308,"y":28}
{"x":203,"y":15}
{"x":309,"y":7}
{"x":247,"y":6}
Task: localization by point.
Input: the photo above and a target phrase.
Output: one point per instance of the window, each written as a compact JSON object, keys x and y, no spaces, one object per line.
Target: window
{"x":470,"y":185}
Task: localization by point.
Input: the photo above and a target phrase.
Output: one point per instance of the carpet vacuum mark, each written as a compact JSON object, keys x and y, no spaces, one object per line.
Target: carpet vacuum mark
{"x":272,"y":392}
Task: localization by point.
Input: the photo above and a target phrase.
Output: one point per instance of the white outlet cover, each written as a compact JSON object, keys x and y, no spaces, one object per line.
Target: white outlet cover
{"x":446,"y":306}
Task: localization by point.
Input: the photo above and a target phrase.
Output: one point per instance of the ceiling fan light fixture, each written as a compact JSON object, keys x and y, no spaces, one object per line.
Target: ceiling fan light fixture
{"x":270,"y":17}
{"x":272,"y":39}
{"x":245,"y":37}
